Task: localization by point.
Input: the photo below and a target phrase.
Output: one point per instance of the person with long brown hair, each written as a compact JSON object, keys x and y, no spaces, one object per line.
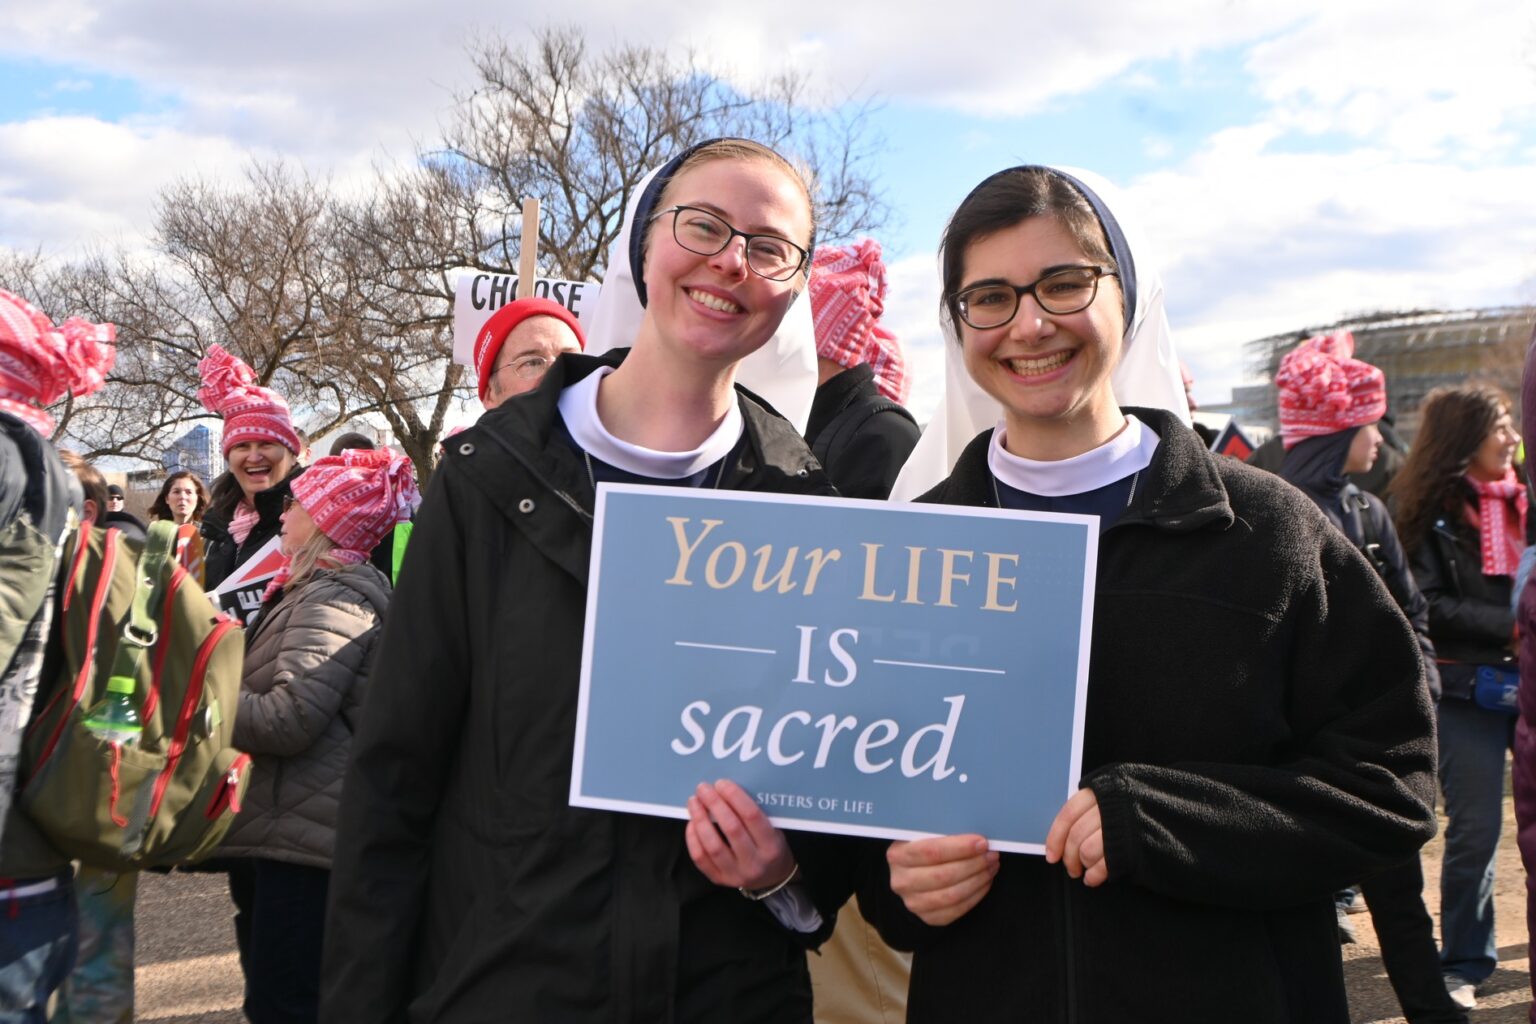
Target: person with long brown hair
{"x":182,"y":500}
{"x":1461,"y":515}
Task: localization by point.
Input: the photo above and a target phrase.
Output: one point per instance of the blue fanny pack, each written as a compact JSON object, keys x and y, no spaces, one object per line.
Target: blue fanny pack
{"x":1497,"y":689}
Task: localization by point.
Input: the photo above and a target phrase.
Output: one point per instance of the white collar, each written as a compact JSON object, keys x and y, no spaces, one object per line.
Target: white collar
{"x":578,"y":407}
{"x":1129,"y":451}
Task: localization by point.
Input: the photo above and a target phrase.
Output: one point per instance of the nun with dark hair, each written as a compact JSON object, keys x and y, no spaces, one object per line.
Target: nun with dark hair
{"x":1248,"y":748}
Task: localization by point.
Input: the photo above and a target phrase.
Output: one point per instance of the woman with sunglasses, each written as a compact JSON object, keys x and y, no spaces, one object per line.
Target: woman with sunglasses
{"x":465,"y":886}
{"x":1257,"y":728}
{"x":308,"y":657}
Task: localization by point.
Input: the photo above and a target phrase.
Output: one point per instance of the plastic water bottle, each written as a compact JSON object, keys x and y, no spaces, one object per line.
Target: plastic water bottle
{"x":114,"y":718}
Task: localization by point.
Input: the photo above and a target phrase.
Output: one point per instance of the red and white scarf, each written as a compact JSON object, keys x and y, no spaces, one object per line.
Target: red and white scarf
{"x":1500,"y":518}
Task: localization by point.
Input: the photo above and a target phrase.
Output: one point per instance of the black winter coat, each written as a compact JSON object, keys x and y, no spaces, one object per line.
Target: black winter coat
{"x":860,"y":437}
{"x":1252,"y":750}
{"x":1315,"y":468}
{"x":464,"y":887}
{"x":1470,"y":617}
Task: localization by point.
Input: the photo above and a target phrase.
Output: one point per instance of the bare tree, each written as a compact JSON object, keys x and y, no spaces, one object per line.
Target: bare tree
{"x":344,"y":304}
{"x":579,"y":130}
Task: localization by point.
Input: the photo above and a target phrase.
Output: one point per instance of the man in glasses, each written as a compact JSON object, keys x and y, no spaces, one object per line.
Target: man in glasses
{"x":519,"y":343}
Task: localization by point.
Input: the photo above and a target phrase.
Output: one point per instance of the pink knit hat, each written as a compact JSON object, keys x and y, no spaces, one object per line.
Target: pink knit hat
{"x":250,"y":411}
{"x":355,"y":498}
{"x":41,"y":363}
{"x":494,"y":334}
{"x":847,"y":297}
{"x":1324,"y":389}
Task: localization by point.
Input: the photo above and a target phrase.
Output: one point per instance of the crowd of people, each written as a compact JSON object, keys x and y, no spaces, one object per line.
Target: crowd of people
{"x":1274,"y":653}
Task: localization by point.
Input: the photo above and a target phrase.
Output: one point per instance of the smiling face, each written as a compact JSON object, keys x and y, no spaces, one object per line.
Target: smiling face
{"x":714,"y":308}
{"x":1496,"y":455}
{"x":258,"y":465}
{"x":298,"y":528}
{"x":181,"y":499}
{"x":1050,"y":372}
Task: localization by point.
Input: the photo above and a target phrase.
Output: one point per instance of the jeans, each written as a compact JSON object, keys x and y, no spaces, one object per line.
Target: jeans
{"x":1473,"y":744}
{"x":38,"y":937}
{"x":100,"y":988}
{"x":280,"y":929}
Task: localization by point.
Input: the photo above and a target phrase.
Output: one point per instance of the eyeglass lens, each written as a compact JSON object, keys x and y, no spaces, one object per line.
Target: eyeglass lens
{"x":704,"y":233}
{"x":1065,"y":291}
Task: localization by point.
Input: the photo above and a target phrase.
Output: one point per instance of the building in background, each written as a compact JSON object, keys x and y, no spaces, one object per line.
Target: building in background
{"x":194,"y":450}
{"x":1418,"y":351}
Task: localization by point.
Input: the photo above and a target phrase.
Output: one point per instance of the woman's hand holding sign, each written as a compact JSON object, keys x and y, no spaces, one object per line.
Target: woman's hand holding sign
{"x":941,"y":879}
{"x":1076,"y":839}
{"x":731,"y":840}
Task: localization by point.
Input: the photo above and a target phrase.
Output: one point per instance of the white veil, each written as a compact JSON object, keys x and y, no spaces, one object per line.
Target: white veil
{"x":783,"y":371}
{"x":1148,"y":373}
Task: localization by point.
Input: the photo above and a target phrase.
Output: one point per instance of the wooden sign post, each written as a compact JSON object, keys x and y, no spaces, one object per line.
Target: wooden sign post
{"x":527,"y":264}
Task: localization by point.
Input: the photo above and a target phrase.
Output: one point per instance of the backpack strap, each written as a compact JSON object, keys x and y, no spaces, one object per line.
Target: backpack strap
{"x":140,"y":630}
{"x":842,"y":430}
{"x":1356,"y":506}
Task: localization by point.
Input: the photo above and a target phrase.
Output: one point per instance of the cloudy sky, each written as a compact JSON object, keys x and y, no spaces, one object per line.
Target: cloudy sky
{"x":1294,"y":162}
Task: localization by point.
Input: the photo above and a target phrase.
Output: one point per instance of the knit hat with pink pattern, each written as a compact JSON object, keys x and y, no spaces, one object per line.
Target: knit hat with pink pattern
{"x":250,"y":411}
{"x":41,"y":363}
{"x":1324,"y":389}
{"x":358,"y":496}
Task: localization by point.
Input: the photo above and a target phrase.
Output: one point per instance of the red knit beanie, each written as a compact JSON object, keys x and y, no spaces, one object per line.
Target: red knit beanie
{"x":41,"y":363}
{"x":250,"y":412}
{"x":1324,"y":389}
{"x":357,"y":497}
{"x":847,"y":289}
{"x":494,"y":334}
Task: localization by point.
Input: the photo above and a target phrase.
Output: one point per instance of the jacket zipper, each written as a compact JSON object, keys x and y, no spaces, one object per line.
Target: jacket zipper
{"x":188,"y":706}
{"x":1070,"y":1003}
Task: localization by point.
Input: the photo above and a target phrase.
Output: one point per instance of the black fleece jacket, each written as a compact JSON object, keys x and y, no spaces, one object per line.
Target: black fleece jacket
{"x":1258,"y":735}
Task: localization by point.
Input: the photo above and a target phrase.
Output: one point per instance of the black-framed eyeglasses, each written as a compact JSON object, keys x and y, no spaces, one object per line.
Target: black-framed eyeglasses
{"x":1068,"y":290}
{"x":705,"y":233}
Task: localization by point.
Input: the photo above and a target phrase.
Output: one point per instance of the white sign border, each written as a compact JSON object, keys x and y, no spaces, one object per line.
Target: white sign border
{"x":594,"y":574}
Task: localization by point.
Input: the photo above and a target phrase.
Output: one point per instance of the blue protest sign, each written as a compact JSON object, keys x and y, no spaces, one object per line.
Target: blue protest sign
{"x":860,"y":667}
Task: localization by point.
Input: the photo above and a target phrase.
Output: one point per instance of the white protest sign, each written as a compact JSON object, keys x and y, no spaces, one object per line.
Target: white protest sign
{"x":240,"y":593}
{"x":479,"y":293}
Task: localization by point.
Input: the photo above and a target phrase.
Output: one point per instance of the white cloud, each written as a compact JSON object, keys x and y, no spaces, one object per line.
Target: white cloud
{"x":912,"y":314}
{"x":70,"y":181}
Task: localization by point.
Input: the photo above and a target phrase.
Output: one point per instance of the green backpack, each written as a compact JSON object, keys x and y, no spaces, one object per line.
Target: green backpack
{"x":133,"y":629}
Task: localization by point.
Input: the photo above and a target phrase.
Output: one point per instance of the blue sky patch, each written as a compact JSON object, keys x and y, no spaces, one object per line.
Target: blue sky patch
{"x":31,"y":88}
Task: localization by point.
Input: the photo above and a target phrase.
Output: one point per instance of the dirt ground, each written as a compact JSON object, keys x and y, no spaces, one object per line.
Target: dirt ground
{"x":188,"y":972}
{"x":1506,"y":997}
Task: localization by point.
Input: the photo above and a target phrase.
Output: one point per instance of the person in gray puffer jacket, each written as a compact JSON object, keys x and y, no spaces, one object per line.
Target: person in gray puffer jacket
{"x":308,"y":655}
